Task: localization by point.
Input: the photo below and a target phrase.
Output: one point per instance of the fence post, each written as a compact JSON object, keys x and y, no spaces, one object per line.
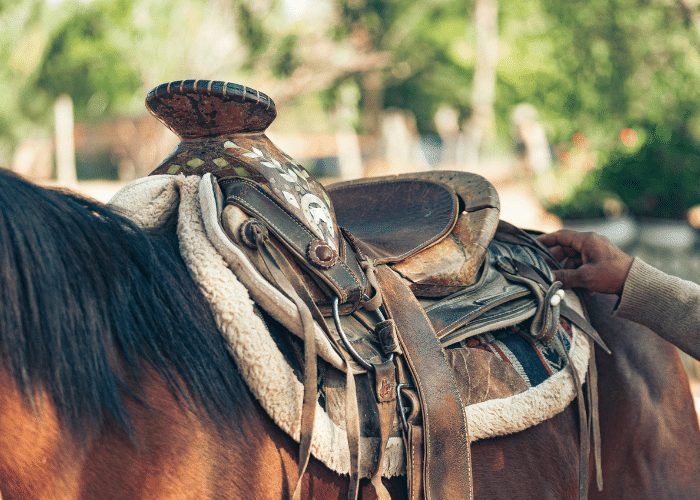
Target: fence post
{"x":64,"y":131}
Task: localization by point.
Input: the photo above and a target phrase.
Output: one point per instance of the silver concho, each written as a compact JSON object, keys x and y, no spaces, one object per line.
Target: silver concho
{"x":316,"y":211}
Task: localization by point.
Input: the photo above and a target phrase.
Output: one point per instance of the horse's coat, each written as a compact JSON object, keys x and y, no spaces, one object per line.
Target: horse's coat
{"x":117,"y":384}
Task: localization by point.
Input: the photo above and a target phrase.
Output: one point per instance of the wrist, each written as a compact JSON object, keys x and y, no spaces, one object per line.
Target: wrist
{"x":623,"y":267}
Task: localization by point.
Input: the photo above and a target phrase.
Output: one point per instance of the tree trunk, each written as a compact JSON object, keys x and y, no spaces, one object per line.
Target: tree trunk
{"x":481,"y":123}
{"x":372,"y":103}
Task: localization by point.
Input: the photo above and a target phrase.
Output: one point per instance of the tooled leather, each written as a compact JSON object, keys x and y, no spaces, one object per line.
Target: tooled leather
{"x":447,"y":458}
{"x":347,"y":283}
{"x":396,"y":218}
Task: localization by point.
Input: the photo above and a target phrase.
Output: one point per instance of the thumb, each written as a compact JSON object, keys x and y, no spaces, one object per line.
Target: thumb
{"x":570,"y":278}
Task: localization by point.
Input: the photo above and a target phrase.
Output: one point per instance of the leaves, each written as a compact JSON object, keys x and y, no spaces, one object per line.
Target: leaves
{"x":593,"y":66}
{"x":82,"y":62}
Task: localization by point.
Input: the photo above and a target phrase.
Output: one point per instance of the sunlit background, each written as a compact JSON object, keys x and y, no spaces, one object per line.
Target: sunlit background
{"x":581,"y":113}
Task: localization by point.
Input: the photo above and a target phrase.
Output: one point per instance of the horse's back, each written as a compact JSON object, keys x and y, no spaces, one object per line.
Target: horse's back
{"x":649,"y":426}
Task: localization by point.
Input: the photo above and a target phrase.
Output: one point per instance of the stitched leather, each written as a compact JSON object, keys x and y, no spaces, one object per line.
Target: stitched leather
{"x":447,"y":458}
{"x":414,"y":447}
{"x":460,"y":309}
{"x":345,"y":282}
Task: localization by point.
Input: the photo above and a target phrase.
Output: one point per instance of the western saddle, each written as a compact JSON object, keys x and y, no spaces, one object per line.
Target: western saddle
{"x":412,"y":250}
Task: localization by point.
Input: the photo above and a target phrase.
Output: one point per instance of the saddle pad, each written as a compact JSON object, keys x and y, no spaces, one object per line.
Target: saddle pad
{"x":273,"y":380}
{"x":534,"y":361}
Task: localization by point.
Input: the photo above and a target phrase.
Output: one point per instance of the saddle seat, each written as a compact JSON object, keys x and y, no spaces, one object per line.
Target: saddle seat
{"x":433,"y":227}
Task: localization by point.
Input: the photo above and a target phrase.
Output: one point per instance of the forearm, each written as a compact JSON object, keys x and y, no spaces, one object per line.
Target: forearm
{"x":667,"y":305}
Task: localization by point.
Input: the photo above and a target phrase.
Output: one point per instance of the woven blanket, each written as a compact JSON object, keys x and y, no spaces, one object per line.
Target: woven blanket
{"x":276,"y":384}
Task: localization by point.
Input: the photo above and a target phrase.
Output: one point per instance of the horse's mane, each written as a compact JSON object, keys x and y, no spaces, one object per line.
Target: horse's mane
{"x":88,"y":301}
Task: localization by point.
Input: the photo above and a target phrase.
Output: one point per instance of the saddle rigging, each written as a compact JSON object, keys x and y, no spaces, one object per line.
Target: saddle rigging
{"x":419,"y":251}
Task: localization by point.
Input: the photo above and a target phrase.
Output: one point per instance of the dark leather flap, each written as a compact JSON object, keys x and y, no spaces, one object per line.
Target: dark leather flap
{"x":395,"y":219}
{"x":345,"y":277}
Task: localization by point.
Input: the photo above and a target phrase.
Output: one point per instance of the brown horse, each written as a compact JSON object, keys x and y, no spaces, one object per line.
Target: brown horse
{"x":117,"y":384}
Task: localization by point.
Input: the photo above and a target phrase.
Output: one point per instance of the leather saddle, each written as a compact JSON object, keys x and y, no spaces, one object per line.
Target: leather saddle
{"x":391,"y":269}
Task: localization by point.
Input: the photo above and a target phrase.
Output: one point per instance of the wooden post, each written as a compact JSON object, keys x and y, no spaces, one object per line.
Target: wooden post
{"x":529,"y":132}
{"x":65,"y":141}
{"x":349,"y":155}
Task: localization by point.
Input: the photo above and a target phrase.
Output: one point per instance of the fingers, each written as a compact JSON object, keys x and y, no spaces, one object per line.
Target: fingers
{"x":570,"y":278}
{"x":563,"y":238}
{"x":590,"y":261}
{"x":572,"y":263}
{"x":558,"y":253}
{"x":565,"y":255}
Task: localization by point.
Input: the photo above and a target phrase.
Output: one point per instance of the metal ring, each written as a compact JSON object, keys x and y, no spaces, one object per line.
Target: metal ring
{"x":344,"y":338}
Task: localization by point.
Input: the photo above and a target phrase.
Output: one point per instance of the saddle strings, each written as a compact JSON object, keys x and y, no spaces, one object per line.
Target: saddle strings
{"x":288,"y":280}
{"x":508,"y":232}
{"x":273,"y":261}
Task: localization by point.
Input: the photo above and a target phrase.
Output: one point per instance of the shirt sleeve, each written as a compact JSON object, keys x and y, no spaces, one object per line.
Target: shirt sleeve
{"x":666,"y":304}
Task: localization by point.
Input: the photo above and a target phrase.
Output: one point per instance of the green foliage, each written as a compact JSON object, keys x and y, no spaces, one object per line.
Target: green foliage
{"x":661,"y":179}
{"x":627,"y":62}
{"x":592,"y":66}
{"x":252,"y":30}
{"x":82,"y":62}
{"x":425,"y":69}
{"x":69,"y":48}
{"x":375,"y":17}
{"x":286,"y":59}
{"x":424,"y":92}
{"x":588,"y":201}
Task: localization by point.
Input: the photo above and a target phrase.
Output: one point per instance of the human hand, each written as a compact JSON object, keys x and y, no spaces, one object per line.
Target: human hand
{"x":590,"y":261}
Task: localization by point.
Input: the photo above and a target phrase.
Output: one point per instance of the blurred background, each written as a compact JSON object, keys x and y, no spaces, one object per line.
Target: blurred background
{"x":584,"y":114}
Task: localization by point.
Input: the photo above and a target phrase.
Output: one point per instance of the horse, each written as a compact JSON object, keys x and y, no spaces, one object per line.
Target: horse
{"x":116,"y":384}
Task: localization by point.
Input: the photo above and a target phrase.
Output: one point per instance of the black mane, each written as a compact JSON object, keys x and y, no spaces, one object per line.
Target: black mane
{"x":81,"y":287}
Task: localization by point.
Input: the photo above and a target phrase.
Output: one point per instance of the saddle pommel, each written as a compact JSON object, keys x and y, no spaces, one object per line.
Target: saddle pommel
{"x":222,"y":130}
{"x":195,"y":109}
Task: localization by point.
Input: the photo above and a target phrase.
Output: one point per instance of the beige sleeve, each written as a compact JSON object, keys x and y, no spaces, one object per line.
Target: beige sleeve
{"x":666,"y":304}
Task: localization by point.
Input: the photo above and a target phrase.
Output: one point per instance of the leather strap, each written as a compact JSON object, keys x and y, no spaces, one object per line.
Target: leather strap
{"x":511,"y":234}
{"x":594,"y":417}
{"x":288,"y":280}
{"x":385,"y":381}
{"x":413,"y":441}
{"x":588,"y":424}
{"x":584,"y":424}
{"x":592,"y":381}
{"x":447,"y":456}
{"x":344,"y":278}
{"x":273,"y":260}
{"x":565,"y":310}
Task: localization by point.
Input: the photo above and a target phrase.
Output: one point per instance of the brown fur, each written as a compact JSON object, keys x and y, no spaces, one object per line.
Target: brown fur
{"x":649,"y":427}
{"x":651,"y":444}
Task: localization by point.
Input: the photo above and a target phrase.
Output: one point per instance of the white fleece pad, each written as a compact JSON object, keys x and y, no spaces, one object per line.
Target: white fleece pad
{"x":151,"y":200}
